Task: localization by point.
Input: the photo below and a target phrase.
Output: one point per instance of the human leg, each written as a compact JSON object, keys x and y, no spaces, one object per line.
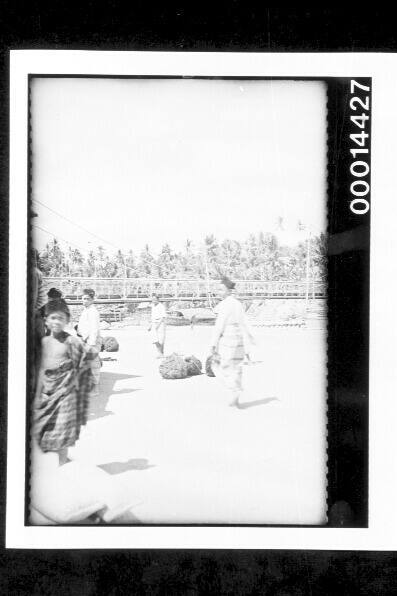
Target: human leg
{"x":230,"y":375}
{"x":234,"y":379}
{"x":159,"y":349}
{"x":96,"y":373}
{"x":63,"y":456}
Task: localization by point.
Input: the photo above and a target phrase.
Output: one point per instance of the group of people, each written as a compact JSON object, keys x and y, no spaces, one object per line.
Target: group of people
{"x":67,"y":363}
{"x":231,"y":339}
{"x":65,"y":369}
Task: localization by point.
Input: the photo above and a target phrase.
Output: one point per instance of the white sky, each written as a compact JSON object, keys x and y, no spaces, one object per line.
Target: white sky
{"x":154,"y":161}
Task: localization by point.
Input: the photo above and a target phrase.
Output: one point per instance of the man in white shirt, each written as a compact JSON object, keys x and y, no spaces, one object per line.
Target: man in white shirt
{"x":230,"y":342}
{"x":89,"y":330}
{"x":157,"y":326}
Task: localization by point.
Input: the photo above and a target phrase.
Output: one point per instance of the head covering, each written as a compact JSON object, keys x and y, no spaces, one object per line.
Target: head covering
{"x":228,"y":283}
{"x":53,"y":293}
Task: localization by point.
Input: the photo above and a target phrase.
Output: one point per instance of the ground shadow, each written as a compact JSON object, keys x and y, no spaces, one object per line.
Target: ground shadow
{"x":257,"y":402}
{"x":252,"y":362}
{"x":97,"y":408}
{"x":118,"y":467}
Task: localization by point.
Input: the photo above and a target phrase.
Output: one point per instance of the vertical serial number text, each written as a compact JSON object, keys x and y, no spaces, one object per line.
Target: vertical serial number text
{"x":359,"y":168}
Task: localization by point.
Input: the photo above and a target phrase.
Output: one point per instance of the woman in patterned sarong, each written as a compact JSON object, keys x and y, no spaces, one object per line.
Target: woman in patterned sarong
{"x":64,"y":383}
{"x":230,"y":341}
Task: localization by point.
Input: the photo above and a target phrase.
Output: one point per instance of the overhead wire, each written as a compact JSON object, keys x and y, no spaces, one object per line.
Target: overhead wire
{"x":87,"y":231}
{"x":76,"y":224}
{"x":57,"y":236}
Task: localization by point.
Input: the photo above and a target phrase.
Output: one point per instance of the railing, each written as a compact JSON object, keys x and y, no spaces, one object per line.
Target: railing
{"x":136,"y":289}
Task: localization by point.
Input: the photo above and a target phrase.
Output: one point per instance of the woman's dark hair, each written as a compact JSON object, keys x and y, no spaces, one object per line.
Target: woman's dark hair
{"x":53,"y":293}
{"x":58,"y":305}
{"x":89,"y":292}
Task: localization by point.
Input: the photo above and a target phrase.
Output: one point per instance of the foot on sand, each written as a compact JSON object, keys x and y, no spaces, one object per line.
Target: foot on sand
{"x":234,"y":404}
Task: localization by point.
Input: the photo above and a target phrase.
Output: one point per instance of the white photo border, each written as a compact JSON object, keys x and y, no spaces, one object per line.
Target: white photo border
{"x":381,"y":533}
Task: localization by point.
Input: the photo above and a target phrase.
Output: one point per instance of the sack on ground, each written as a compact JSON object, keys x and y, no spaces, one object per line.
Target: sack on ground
{"x":174,"y":367}
{"x":194,"y":366}
{"x":110,"y":344}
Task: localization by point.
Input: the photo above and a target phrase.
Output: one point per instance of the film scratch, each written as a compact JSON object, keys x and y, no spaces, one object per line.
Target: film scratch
{"x":197,"y":299}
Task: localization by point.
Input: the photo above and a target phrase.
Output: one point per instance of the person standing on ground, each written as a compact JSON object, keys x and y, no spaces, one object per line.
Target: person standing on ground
{"x":230,"y":341}
{"x":89,"y":330}
{"x":157,"y":325}
{"x":63,"y":386}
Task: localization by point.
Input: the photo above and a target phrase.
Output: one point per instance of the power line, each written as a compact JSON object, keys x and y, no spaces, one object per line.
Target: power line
{"x":57,"y":236}
{"x":87,"y":231}
{"x":76,"y":224}
{"x":80,"y":248}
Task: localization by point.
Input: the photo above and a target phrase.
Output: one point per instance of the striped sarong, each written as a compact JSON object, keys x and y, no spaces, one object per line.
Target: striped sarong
{"x":231,"y":355}
{"x":60,"y":410}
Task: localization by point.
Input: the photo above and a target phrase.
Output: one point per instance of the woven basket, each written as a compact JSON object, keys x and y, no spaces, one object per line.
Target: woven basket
{"x":110,"y":344}
{"x":194,"y":366}
{"x":174,"y":367}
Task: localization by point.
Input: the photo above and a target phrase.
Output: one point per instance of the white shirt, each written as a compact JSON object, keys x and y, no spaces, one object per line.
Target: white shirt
{"x":231,"y":312}
{"x":89,"y":325}
{"x":158,"y":312}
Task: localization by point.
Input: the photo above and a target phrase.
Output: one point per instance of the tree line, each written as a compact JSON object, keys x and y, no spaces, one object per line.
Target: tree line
{"x":258,"y":257}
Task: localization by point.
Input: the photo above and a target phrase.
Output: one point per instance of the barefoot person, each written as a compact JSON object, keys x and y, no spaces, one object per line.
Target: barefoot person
{"x":63,"y":386}
{"x":89,"y":330}
{"x":230,"y":341}
{"x":157,"y":325}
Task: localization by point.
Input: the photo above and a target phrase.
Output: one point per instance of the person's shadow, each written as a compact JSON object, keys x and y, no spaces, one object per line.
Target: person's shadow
{"x":256,"y":402}
{"x":107,"y":381}
{"x":118,"y":467}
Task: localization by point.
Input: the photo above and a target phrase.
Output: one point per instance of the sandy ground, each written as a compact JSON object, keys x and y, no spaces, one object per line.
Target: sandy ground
{"x":185,"y":456}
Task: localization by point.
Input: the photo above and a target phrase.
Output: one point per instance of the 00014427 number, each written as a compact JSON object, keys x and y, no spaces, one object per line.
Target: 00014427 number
{"x":359,"y":169}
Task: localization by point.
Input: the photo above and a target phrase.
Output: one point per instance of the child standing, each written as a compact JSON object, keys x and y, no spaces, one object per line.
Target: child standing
{"x":63,"y":387}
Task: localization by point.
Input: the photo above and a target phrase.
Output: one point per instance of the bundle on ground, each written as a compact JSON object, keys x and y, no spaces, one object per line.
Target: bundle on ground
{"x":110,"y":344}
{"x":194,"y":365}
{"x":174,"y":367}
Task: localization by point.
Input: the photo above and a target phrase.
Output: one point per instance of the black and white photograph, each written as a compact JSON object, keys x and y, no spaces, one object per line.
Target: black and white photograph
{"x":179,"y":245}
{"x":195,"y":241}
